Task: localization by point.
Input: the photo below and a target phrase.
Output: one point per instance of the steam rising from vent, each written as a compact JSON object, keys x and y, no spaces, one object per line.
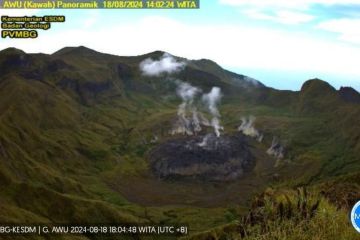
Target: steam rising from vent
{"x":187,"y":124}
{"x":211,"y":100}
{"x":187,"y":92}
{"x":167,"y":64}
{"x":276,"y":149}
{"x":252,"y":81}
{"x":203,"y":120}
{"x":190,"y":120}
{"x":248,"y":129}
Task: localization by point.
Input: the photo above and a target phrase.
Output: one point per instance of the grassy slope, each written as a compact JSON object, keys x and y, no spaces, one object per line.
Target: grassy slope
{"x":320,"y":211}
{"x":77,"y":146}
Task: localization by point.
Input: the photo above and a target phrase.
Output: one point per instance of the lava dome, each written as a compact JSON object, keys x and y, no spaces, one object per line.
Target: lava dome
{"x":206,"y":157}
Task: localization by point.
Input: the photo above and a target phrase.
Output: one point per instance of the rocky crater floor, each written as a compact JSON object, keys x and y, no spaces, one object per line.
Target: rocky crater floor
{"x":206,"y":157}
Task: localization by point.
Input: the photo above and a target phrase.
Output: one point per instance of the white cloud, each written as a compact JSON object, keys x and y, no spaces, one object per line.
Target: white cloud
{"x":283,"y":11}
{"x":233,"y":46}
{"x":166,"y":64}
{"x":282,"y":16}
{"x":349,"y":29}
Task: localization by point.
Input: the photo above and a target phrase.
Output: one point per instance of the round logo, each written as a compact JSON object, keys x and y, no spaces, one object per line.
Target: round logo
{"x":355,"y":216}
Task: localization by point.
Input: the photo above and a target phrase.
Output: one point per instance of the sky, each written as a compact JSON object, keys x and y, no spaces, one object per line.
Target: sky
{"x":281,"y":43}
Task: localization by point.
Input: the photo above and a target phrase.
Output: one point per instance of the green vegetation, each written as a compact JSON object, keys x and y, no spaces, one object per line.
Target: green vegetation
{"x":287,"y":214}
{"x":76,"y":128}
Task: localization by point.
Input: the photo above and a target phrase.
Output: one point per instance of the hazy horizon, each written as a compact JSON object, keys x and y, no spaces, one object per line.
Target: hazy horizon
{"x":280,"y":43}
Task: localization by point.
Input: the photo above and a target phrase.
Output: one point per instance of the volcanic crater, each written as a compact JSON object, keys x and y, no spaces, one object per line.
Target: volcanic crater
{"x":206,"y":157}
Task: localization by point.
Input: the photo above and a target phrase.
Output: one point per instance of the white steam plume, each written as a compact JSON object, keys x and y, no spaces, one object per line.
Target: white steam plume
{"x":247,"y":128}
{"x":187,"y":92}
{"x":188,"y":125}
{"x":252,"y":81}
{"x":167,"y":64}
{"x":203,"y":120}
{"x":196,"y":121}
{"x":276,"y":149}
{"x":211,"y":100}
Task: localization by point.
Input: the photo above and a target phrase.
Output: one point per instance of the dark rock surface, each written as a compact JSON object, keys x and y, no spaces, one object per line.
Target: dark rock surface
{"x":349,"y":94}
{"x":203,"y":157}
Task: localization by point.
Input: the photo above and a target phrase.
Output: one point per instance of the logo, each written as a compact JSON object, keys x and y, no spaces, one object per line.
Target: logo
{"x":355,"y":216}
